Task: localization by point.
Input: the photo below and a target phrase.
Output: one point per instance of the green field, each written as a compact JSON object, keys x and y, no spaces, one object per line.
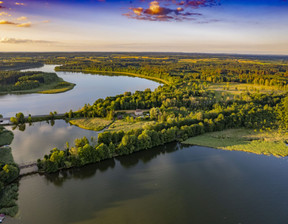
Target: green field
{"x":232,"y":89}
{"x":95,"y":124}
{"x":55,"y":88}
{"x":267,"y":143}
{"x":120,"y":125}
{"x":98,"y":124}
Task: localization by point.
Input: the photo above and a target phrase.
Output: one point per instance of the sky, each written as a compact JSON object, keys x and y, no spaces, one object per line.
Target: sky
{"x":204,"y":26}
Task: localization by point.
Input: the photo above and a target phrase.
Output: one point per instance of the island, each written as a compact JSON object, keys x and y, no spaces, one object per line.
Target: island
{"x":32,"y":82}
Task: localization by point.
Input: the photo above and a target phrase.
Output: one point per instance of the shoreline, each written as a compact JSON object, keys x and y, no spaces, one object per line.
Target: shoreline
{"x":244,"y":140}
{"x":113,"y":72}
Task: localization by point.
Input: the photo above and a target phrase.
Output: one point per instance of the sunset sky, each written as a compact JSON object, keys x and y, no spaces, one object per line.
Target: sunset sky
{"x":222,"y":26}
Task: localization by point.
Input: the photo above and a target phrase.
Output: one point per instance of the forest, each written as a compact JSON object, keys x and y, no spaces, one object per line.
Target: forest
{"x":14,"y":81}
{"x":9,"y":172}
{"x":199,"y":94}
{"x":253,"y":96}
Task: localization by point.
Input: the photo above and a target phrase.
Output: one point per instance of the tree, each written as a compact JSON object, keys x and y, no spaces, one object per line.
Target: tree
{"x":154,"y":113}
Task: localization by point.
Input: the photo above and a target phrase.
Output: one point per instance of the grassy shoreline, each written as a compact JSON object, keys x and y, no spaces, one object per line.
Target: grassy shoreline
{"x":94,"y":124}
{"x":124,"y":73}
{"x":45,"y":89}
{"x":261,"y":143}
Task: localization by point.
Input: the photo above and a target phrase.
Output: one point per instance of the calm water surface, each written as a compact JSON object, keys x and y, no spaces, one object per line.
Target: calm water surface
{"x":89,"y":88}
{"x":170,"y":184}
{"x":40,"y":138}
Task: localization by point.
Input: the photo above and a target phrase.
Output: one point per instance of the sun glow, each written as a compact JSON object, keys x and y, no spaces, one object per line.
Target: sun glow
{"x":138,"y":11}
{"x":154,"y":7}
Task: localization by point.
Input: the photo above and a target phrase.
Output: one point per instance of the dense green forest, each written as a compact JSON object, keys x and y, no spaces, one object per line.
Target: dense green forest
{"x":253,"y":95}
{"x":200,"y":93}
{"x":263,"y":112}
{"x":11,"y":64}
{"x":9,"y":172}
{"x":13,"y":81}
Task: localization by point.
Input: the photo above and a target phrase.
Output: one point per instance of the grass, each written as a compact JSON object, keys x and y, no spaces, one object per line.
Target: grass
{"x":95,"y":124}
{"x":98,"y":124}
{"x":6,"y":155}
{"x":127,"y":126}
{"x":6,"y":137}
{"x":238,"y":88}
{"x":57,"y":89}
{"x":266,"y":143}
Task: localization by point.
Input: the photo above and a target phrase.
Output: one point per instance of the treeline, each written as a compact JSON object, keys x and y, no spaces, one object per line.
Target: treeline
{"x":177,"y":95}
{"x":151,"y":69}
{"x":282,"y":113}
{"x":173,"y":68}
{"x":20,"y":119}
{"x":13,"y":81}
{"x":239,"y":114}
{"x":9,"y":172}
{"x":16,"y":65}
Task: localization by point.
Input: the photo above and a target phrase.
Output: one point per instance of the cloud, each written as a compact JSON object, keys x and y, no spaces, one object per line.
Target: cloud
{"x":6,"y":40}
{"x":157,"y":13}
{"x":25,"y":24}
{"x":199,"y":3}
{"x":22,"y":18}
{"x":5,"y":22}
{"x":20,"y":3}
{"x":4,"y":14}
{"x":188,"y":3}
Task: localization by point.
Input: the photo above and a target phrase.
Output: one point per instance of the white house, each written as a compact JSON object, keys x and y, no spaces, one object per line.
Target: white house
{"x":138,"y":112}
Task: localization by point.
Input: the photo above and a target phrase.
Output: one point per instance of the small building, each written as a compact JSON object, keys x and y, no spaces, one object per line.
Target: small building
{"x":138,"y":112}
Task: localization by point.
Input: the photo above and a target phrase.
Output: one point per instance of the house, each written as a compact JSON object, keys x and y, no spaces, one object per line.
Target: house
{"x":138,"y":112}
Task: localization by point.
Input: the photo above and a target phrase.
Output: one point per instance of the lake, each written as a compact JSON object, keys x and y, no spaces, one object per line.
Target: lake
{"x":40,"y":138}
{"x":89,"y":88}
{"x":169,"y":184}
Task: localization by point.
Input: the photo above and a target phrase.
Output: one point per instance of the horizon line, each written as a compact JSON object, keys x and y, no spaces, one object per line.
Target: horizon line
{"x":152,"y":52}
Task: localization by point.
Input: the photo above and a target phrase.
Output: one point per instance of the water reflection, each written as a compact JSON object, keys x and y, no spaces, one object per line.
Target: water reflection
{"x":82,"y":173}
{"x":127,"y":162}
{"x":89,"y":88}
{"x":168,"y":184}
{"x":146,"y":156}
{"x":33,"y":141}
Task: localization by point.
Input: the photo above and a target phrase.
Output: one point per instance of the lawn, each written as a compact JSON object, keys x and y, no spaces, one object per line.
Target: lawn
{"x":126,"y":126}
{"x":267,"y":143}
{"x":95,"y":124}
